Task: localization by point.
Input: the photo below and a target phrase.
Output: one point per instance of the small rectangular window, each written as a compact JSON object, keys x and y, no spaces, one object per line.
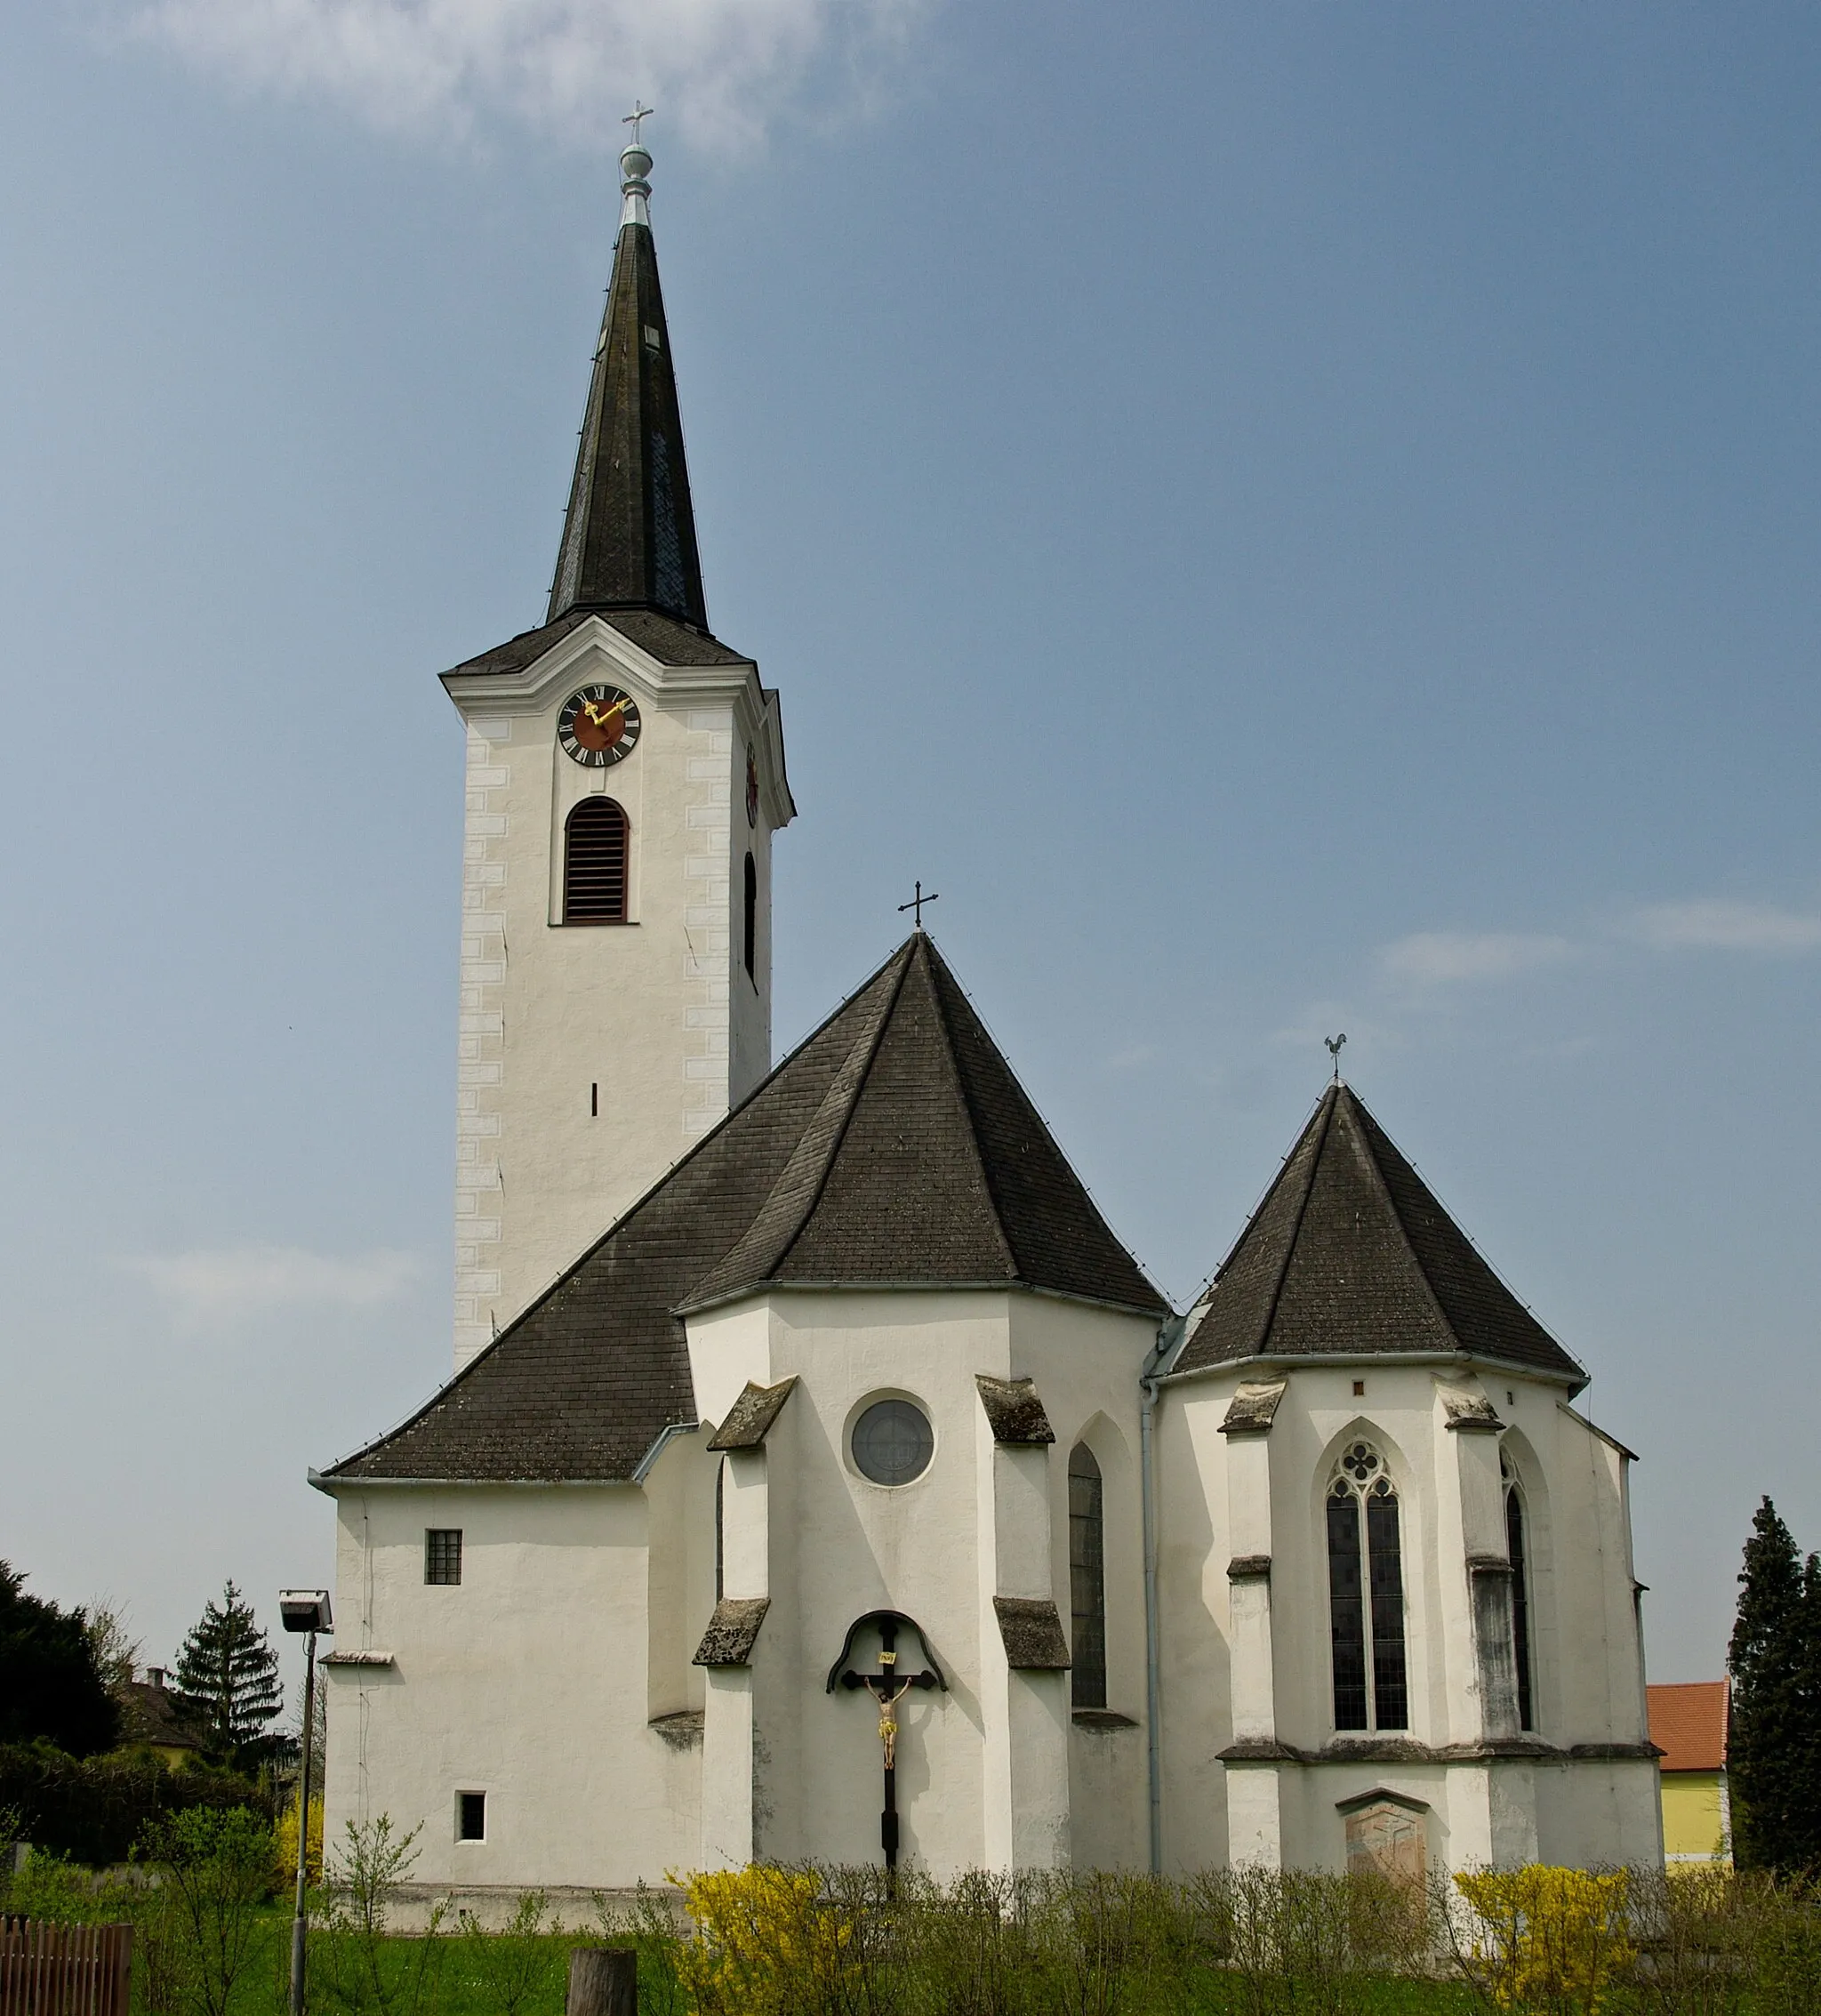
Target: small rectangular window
{"x":470,"y":1816}
{"x":441,"y":1554}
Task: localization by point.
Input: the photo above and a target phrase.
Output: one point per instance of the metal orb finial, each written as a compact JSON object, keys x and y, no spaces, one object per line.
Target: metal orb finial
{"x":634,"y":168}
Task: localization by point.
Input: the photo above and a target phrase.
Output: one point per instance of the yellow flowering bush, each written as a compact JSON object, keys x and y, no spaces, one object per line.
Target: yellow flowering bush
{"x":1554,"y":1941}
{"x":285,"y":1842}
{"x":768,"y":1943}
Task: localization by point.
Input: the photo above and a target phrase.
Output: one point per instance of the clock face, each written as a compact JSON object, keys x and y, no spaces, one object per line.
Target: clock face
{"x":598,"y":725}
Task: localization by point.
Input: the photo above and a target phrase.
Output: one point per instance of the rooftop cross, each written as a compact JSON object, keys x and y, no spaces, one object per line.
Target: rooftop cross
{"x":917,"y":902}
{"x":636,"y":117}
{"x":1333,"y":1050}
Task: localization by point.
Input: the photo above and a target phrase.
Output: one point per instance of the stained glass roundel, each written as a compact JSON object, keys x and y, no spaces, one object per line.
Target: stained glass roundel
{"x":893,"y":1442}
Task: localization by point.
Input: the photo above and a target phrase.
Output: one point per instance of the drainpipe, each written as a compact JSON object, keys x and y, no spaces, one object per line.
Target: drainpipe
{"x":1169,"y":1334}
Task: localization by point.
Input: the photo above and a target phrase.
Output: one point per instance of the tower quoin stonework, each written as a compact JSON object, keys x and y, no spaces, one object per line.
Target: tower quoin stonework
{"x":821,"y":1477}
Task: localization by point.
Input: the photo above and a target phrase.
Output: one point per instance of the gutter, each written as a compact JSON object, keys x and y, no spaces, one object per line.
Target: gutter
{"x":1169,"y":1335}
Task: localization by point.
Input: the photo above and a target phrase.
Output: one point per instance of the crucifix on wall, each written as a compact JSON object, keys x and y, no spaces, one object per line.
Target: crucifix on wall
{"x":887,"y":1685}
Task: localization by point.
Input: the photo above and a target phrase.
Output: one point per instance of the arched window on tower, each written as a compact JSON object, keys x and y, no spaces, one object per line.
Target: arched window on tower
{"x":1520,"y":1594}
{"x":1086,"y":1581}
{"x":1366,"y":1595}
{"x":751,"y":920}
{"x":594,"y":864}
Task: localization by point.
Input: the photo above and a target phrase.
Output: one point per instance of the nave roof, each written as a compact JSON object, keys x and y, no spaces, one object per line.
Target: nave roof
{"x":894,"y":1148}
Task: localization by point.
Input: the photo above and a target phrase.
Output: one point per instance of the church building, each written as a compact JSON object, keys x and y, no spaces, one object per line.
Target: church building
{"x":820,"y":1475}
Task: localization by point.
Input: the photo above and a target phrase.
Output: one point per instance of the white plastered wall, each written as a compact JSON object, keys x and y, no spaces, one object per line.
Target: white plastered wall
{"x":985,"y":1769}
{"x":529,"y":1681}
{"x":592,"y":1057}
{"x":1587,"y":1662}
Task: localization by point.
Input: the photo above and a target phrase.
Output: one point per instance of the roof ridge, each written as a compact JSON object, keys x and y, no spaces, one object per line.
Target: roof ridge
{"x":870,"y":1045}
{"x":1013,"y":1260}
{"x":1390,"y":1202}
{"x":1330,"y":1101}
{"x":464,"y":1372}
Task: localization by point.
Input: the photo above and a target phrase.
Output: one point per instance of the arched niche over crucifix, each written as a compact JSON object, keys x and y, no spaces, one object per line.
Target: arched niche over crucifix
{"x":888,"y":1683}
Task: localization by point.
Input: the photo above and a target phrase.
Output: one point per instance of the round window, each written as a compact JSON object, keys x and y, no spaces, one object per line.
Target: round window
{"x":893,"y":1442}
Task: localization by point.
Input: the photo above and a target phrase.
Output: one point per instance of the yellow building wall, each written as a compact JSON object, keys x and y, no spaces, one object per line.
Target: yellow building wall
{"x":1694,"y":1820}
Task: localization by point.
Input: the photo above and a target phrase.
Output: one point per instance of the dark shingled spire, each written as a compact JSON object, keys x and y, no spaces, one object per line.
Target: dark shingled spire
{"x":894,"y":1148}
{"x":1351,"y":1253}
{"x":629,"y":540}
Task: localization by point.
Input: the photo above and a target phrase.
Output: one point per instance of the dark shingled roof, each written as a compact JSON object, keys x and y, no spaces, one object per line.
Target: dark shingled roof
{"x":894,"y":1146}
{"x":669,"y":642}
{"x":1351,"y":1253}
{"x":630,"y":534}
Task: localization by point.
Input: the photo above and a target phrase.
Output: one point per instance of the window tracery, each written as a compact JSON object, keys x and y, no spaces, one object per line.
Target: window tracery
{"x":1366,"y":1594}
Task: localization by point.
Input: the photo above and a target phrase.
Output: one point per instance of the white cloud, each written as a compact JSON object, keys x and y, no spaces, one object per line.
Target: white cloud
{"x":1439,"y":959}
{"x":206,"y":1288}
{"x":1721,"y":924}
{"x":719,"y":70}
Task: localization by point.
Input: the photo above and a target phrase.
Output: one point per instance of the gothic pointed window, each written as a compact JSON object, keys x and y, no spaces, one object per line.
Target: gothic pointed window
{"x":1086,"y":1580}
{"x":594,"y":864}
{"x":1366,"y":1595}
{"x":1520,"y":1597}
{"x":751,"y":921}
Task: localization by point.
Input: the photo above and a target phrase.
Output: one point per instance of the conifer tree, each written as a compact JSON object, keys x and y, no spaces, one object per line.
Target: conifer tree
{"x":228,"y":1680}
{"x":1774,"y":1742}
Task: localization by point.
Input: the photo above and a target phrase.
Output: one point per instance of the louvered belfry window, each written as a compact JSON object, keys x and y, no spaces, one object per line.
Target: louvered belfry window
{"x":594,"y":864}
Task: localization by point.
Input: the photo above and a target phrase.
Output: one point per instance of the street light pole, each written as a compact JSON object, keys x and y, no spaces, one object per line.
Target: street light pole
{"x":305,"y":1611}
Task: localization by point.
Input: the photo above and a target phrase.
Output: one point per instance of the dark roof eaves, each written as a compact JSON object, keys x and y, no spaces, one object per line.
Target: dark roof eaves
{"x":1012,"y":1285}
{"x":1298,"y":1360}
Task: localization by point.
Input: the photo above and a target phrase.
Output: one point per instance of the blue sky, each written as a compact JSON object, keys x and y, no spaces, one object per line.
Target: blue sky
{"x":1293,"y":518}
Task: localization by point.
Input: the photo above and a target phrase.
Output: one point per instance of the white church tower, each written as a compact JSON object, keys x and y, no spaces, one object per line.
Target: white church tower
{"x":625,"y":776}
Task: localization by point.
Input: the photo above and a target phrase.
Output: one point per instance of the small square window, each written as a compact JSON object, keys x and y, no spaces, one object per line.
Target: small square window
{"x":470,"y":1816}
{"x":1359,"y":1389}
{"x":441,"y":1554}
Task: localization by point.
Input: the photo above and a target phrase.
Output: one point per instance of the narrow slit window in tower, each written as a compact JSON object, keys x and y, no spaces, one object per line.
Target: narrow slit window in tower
{"x":751,"y":921}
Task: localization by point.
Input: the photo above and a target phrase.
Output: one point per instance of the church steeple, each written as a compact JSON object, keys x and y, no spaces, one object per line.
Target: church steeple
{"x":628,"y":540}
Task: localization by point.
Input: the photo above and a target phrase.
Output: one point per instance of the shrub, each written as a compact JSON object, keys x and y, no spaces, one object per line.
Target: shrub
{"x":285,"y":1843}
{"x":518,"y":1966}
{"x":768,"y":1943}
{"x":94,"y":1809}
{"x":1553,"y":1942}
{"x":348,"y":1958}
{"x":217,"y":1872}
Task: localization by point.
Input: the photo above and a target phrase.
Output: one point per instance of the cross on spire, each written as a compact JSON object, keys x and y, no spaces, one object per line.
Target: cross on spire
{"x":917,"y":902}
{"x":636,"y":117}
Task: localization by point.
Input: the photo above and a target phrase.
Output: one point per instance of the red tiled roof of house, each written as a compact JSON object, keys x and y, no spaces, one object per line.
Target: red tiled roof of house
{"x":1687,"y":1723}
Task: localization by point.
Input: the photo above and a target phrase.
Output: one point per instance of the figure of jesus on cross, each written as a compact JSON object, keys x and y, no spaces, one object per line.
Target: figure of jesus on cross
{"x":887,"y":1686}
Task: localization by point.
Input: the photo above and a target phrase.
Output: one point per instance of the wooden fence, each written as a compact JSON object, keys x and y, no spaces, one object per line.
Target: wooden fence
{"x":64,"y":1970}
